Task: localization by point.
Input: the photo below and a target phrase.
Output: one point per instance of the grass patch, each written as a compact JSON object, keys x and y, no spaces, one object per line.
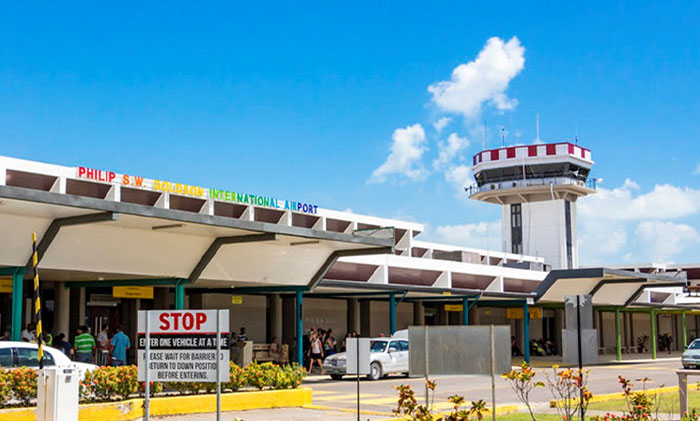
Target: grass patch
{"x":667,"y":402}
{"x":526,"y":417}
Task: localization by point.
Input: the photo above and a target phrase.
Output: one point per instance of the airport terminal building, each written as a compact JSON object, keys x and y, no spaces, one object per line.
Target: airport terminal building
{"x":110,"y":244}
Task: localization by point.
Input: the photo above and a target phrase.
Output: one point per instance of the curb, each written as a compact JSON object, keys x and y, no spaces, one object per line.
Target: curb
{"x":132,"y":409}
{"x":500,"y":410}
{"x":619,"y":395}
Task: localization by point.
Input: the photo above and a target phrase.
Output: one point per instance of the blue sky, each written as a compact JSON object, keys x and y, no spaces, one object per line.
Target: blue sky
{"x":300,"y":100}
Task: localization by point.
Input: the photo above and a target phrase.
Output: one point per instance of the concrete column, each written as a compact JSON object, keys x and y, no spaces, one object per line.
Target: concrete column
{"x":82,"y":306}
{"x":365,"y":318}
{"x":474,"y":317}
{"x":353,"y":316}
{"x":275,"y":317}
{"x":289,"y":323}
{"x":62,"y":303}
{"x":559,"y":326}
{"x":633,"y":340}
{"x":196,"y":301}
{"x":418,"y":314}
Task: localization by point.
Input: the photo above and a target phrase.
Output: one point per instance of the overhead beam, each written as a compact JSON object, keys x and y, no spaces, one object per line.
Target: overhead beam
{"x":56,"y":225}
{"x":145,"y":282}
{"x":209,"y":255}
{"x":605,"y":282}
{"x":325,"y":267}
{"x":639,"y":290}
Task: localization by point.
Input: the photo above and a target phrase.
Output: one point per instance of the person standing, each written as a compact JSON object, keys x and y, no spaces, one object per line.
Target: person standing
{"x":84,"y":345}
{"x":61,"y":343}
{"x":102,"y":346}
{"x":243,"y":336}
{"x":315,"y":352}
{"x":119,"y":343}
{"x":29,"y":333}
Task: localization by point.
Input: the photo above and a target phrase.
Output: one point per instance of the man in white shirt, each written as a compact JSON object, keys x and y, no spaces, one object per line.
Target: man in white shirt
{"x":29,"y":333}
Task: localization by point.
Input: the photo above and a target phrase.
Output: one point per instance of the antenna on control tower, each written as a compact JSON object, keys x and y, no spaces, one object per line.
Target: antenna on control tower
{"x":537,"y":126}
{"x":503,"y":136}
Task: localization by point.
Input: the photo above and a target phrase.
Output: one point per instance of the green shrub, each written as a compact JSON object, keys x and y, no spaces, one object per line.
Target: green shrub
{"x":260,"y":375}
{"x":237,"y":378}
{"x":119,"y":383}
{"x":23,"y":384}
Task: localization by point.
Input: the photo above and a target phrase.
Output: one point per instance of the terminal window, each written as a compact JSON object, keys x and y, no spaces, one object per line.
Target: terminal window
{"x":516,"y":228}
{"x":569,"y":243}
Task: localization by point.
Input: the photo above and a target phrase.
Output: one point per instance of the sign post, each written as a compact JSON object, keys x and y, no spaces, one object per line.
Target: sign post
{"x":183,"y":346}
{"x":147,"y":386}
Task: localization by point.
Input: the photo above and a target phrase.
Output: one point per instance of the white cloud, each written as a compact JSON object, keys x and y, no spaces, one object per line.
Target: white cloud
{"x":661,"y":241}
{"x":442,"y":123}
{"x":663,"y":202}
{"x":481,"y":235}
{"x":460,"y":176}
{"x":637,"y":224}
{"x":697,"y":169}
{"x":448,"y":149}
{"x":406,"y":151}
{"x":483,"y":80}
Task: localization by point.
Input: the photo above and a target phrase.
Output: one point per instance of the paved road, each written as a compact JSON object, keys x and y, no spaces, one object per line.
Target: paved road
{"x":337,"y":399}
{"x":380,"y":396}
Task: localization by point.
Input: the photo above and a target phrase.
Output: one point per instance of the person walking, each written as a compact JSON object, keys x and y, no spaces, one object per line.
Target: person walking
{"x":119,"y":343}
{"x":84,"y":345}
{"x":315,"y":352}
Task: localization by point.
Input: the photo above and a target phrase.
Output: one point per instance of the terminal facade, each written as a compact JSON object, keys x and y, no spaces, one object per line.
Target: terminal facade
{"x":111,"y":244}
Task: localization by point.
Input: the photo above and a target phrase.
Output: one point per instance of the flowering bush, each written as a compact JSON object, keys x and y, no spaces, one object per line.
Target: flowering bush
{"x":409,"y":408}
{"x":522,"y":382}
{"x":288,"y":376}
{"x":237,"y":379}
{"x":260,"y":375}
{"x":110,"y":383}
{"x":18,"y":384}
{"x":118,"y":383}
{"x":570,"y":390}
{"x":5,"y":387}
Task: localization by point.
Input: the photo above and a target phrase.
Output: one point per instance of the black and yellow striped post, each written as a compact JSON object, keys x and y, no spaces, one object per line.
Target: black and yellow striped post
{"x":37,"y":303}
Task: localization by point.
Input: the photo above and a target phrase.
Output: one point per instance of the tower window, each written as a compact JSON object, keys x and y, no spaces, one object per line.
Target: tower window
{"x":569,"y":242}
{"x":516,"y":228}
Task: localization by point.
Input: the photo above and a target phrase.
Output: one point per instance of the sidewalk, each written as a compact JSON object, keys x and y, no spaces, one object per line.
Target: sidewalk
{"x":282,"y":414}
{"x":605,"y":359}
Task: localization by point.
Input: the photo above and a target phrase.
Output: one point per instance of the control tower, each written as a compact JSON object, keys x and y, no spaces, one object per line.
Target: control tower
{"x":537,"y":187}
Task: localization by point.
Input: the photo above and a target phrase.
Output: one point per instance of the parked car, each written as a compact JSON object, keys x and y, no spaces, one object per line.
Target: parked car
{"x":387,"y":355}
{"x":691,"y":356}
{"x":26,"y":354}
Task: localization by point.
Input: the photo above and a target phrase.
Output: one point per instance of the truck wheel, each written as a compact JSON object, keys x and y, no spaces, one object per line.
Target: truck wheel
{"x":375,"y":371}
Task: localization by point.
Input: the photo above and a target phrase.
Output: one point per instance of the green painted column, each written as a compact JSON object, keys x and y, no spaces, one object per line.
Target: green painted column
{"x":618,"y":335}
{"x":465,"y":311}
{"x":17,"y":295}
{"x":300,"y":327}
{"x":685,"y":331}
{"x":180,"y":295}
{"x":652,"y":316}
{"x":526,"y":332}
{"x":392,"y":313}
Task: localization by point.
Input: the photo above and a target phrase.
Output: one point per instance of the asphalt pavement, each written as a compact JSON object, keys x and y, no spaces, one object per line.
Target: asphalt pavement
{"x":337,"y":400}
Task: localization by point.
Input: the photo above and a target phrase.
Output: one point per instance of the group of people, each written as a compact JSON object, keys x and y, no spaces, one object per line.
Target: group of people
{"x":538,"y":347}
{"x":85,"y":347}
{"x":320,"y":343}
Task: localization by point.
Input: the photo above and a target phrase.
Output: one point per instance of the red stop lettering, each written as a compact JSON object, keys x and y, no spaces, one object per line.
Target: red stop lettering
{"x":201,"y":319}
